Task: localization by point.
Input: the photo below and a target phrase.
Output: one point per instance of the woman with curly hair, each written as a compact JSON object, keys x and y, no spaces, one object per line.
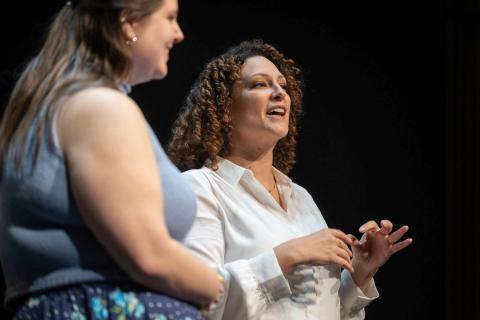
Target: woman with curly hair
{"x":237,"y":134}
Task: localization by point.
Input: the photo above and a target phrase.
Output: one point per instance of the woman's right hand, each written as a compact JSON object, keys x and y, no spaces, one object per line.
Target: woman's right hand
{"x":207,"y":307}
{"x":327,"y":246}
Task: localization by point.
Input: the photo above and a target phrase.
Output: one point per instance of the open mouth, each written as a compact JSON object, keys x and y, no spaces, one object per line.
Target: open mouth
{"x":276,"y":111}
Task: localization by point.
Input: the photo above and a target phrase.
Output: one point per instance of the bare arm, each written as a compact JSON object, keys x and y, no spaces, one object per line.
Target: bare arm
{"x":115,"y":180}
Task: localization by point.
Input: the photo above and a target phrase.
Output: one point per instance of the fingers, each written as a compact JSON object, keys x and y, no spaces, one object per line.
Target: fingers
{"x":397,"y":235}
{"x":387,"y":227}
{"x":342,"y":236}
{"x":359,"y":244}
{"x":333,"y":248}
{"x":345,"y":248}
{"x":355,"y":241}
{"x":344,"y":263}
{"x":343,"y":254}
{"x":401,"y":245}
{"x":342,"y":241}
{"x":370,"y":225}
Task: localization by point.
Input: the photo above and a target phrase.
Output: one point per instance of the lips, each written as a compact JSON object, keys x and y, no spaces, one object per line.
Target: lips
{"x":277,"y":111}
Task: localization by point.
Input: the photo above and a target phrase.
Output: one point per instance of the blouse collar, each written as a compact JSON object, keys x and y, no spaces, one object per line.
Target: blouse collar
{"x":233,"y":173}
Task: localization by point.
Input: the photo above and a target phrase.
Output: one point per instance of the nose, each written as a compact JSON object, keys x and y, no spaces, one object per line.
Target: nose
{"x":279,"y":93}
{"x":179,"y":36}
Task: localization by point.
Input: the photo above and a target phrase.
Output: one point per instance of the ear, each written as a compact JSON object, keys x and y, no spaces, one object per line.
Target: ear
{"x":127,"y":26}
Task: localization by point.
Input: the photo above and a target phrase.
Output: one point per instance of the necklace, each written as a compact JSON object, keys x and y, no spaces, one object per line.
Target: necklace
{"x":274,"y":184}
{"x":275,"y":187}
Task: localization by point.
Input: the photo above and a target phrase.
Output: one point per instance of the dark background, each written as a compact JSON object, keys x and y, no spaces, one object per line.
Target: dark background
{"x":390,"y":128}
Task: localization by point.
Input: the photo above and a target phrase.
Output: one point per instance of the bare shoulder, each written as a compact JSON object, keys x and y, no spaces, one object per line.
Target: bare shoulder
{"x":99,"y":102}
{"x":97,"y":114}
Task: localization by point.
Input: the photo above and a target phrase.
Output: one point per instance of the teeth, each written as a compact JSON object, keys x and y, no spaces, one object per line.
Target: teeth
{"x":279,"y":111}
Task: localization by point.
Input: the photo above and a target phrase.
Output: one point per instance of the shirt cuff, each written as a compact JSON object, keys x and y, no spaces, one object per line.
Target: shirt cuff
{"x":352,"y":297}
{"x":270,"y":277}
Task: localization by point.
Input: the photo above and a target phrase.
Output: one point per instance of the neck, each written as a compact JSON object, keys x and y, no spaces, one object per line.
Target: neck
{"x":260,"y":163}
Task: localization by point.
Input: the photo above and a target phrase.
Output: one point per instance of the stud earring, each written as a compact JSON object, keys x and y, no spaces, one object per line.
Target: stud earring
{"x":132,"y":40}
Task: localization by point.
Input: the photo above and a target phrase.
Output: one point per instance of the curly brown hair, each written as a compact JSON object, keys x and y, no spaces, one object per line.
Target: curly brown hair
{"x":203,"y":129}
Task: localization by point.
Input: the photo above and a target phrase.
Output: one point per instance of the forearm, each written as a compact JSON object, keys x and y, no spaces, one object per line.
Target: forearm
{"x":287,"y":256}
{"x":176,"y":272}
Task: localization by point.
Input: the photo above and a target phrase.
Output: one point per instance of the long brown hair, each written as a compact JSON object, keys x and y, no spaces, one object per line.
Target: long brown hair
{"x":85,"y":47}
{"x":203,"y":129}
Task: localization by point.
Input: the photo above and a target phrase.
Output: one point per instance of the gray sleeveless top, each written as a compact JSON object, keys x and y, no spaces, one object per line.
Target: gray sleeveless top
{"x":43,"y":241}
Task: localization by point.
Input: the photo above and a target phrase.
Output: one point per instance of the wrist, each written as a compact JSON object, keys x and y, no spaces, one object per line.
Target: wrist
{"x":362,"y":277}
{"x":287,"y":257}
{"x":212,"y":305}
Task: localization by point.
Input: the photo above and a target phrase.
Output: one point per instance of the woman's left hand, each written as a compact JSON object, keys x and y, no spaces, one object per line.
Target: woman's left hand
{"x":374,"y":249}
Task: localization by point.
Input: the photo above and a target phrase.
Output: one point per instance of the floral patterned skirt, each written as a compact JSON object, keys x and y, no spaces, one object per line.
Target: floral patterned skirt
{"x":99,"y":301}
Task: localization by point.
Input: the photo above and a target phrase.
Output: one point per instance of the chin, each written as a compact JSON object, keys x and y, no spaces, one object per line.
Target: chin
{"x":161,"y":73}
{"x":282,"y":134}
{"x":160,"y":76}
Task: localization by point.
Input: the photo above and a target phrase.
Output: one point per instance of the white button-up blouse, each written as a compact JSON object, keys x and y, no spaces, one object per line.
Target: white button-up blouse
{"x":237,"y":226}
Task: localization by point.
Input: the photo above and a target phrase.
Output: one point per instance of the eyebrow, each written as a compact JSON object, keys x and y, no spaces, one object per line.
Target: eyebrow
{"x":267,"y":75}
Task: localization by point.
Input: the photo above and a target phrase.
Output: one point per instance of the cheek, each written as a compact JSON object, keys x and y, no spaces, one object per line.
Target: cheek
{"x":254,"y":110}
{"x":289,"y":103}
{"x":249,"y":109}
{"x":155,"y":38}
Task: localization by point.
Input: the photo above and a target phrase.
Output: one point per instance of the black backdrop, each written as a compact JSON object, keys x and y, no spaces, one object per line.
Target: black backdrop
{"x":373,"y":142}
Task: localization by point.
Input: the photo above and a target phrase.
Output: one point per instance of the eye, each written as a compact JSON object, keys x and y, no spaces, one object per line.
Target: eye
{"x":284,"y":86}
{"x":172,"y":16}
{"x":259,"y":84}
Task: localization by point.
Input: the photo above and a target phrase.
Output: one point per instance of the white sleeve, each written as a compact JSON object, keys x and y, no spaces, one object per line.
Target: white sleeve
{"x":352,"y":299}
{"x":251,"y":284}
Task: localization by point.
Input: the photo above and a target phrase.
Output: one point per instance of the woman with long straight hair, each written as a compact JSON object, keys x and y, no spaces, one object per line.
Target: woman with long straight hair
{"x":92,"y":212}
